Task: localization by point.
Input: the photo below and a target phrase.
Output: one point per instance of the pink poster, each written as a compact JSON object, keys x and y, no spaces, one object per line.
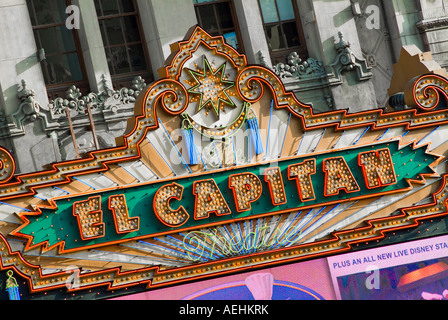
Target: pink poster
{"x":416,"y":270}
{"x":301,"y":281}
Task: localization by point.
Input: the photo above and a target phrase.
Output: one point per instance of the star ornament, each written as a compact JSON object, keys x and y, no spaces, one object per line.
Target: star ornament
{"x":212,"y":89}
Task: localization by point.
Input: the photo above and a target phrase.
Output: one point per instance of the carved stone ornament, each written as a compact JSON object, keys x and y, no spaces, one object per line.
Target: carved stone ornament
{"x":299,"y":69}
{"x":28,"y":107}
{"x":346,"y":60}
{"x":108,"y":99}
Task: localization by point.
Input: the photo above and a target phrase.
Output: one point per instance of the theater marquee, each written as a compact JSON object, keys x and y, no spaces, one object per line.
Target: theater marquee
{"x":222,"y":170}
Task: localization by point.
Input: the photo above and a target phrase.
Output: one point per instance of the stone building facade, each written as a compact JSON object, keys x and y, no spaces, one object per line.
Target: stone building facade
{"x":59,"y":59}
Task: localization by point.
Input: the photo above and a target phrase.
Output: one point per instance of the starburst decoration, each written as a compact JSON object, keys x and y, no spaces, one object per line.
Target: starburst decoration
{"x":212,"y":88}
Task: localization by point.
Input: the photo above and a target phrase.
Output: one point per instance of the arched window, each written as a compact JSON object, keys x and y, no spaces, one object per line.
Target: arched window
{"x":63,"y":66}
{"x":283,"y":29}
{"x":122,"y":37}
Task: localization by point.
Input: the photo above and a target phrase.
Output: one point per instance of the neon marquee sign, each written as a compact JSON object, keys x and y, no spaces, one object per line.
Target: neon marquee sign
{"x":163,"y":207}
{"x":206,"y":199}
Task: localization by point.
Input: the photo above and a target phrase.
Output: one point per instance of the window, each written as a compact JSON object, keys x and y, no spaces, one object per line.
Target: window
{"x":121,"y":32}
{"x":283,"y":29}
{"x":218,"y":18}
{"x":63,"y":66}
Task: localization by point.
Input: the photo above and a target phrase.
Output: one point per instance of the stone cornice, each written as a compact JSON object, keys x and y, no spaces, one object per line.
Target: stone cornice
{"x":430,"y":24}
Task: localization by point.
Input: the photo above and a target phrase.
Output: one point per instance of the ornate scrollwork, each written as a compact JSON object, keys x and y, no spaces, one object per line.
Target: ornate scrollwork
{"x":250,"y":88}
{"x":76,"y":101}
{"x":425,"y":92}
{"x":123,"y":95}
{"x":173,"y":98}
{"x":7,"y":166}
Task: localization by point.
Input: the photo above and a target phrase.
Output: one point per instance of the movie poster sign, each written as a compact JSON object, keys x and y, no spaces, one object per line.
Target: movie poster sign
{"x":413,"y":270}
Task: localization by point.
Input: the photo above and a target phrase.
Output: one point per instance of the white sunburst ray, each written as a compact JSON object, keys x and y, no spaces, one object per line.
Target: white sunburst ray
{"x":247,"y":238}
{"x":426,"y":137}
{"x":346,"y":221}
{"x":277,"y":229}
{"x":139,"y":171}
{"x":184,"y":254}
{"x":350,"y":138}
{"x":278,"y":232}
{"x":436,"y":138}
{"x":136,"y":259}
{"x":239,"y":235}
{"x":297,"y":231}
{"x":291,"y":233}
{"x":181,"y":244}
{"x":392,"y":133}
{"x":163,"y":249}
{"x":262,"y":231}
{"x":226,"y":242}
{"x":50,"y":193}
{"x":242,"y":228}
{"x":310,"y":140}
{"x":236,"y":239}
{"x":168,"y":151}
{"x":288,"y":223}
{"x":104,"y":256}
{"x":257,"y":235}
{"x":179,"y":154}
{"x":238,"y":244}
{"x":426,"y":200}
{"x":303,"y":222}
{"x":271,"y":231}
{"x":8,"y":213}
{"x":151,"y":248}
{"x":279,"y":121}
{"x":214,"y":247}
{"x":284,"y":136}
{"x":250,"y":236}
{"x":246,"y":235}
{"x":253,"y":235}
{"x":370,"y":209}
{"x":332,"y":213}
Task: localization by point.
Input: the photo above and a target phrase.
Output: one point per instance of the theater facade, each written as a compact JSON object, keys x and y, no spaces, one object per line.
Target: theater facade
{"x":226,"y":185}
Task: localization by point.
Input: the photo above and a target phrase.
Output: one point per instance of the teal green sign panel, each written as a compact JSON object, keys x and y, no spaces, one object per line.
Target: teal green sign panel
{"x":60,"y":226}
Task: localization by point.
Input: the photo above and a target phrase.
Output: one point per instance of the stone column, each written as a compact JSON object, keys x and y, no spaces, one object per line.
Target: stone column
{"x":21,"y":130}
{"x":252,"y":32}
{"x":331,"y":18}
{"x":92,"y":46}
{"x":18,"y":55}
{"x":402,"y":18}
{"x":164,"y":23}
{"x":310,"y":29}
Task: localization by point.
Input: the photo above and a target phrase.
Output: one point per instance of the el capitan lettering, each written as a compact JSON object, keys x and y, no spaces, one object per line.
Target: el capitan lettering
{"x":218,"y":197}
